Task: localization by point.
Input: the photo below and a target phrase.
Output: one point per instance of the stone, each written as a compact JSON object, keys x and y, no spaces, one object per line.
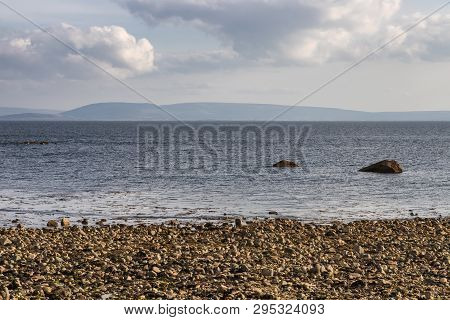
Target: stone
{"x":65,"y":222}
{"x":52,"y":224}
{"x":4,"y":293}
{"x":257,"y":291}
{"x":5,"y":242}
{"x":273,"y":213}
{"x":238,"y":222}
{"x":359,"y":249}
{"x":85,"y":222}
{"x":101,"y":222}
{"x":285,"y":164}
{"x":47,"y":290}
{"x":156,"y":270}
{"x":358,"y":284}
{"x":106,"y":296}
{"x":266,"y":272}
{"x":385,"y":166}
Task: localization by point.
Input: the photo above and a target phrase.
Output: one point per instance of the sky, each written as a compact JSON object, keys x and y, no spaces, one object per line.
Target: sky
{"x":255,"y":51}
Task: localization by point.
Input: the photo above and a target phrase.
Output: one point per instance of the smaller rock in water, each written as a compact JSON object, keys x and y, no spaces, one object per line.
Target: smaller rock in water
{"x":285,"y":164}
{"x":385,"y":166}
{"x":85,"y":222}
{"x":65,"y":222}
{"x":34,"y":142}
{"x":52,"y":224}
{"x":273,"y":213}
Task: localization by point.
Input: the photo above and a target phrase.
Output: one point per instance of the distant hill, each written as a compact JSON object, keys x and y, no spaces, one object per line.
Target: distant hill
{"x":5,"y":111}
{"x":33,"y":117}
{"x":117,"y":111}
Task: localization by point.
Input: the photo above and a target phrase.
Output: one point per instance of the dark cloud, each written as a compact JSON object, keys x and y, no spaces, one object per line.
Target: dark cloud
{"x":250,"y":27}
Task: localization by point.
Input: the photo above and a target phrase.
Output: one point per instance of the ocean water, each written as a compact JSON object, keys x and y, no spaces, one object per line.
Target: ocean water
{"x":108,"y":170}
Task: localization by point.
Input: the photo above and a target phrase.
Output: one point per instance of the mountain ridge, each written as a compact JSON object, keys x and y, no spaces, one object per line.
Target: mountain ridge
{"x":216,"y":111}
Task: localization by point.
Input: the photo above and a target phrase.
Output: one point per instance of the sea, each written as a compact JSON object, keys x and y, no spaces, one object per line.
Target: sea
{"x":153,"y":172}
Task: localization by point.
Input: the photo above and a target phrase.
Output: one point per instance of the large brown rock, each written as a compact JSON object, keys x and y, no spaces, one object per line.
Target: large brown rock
{"x":385,"y":166}
{"x":285,"y":164}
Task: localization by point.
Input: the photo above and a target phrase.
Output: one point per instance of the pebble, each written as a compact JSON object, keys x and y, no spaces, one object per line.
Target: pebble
{"x":4,"y":293}
{"x":267,"y":272}
{"x":359,"y":249}
{"x":47,"y":290}
{"x":354,"y":275}
{"x":156,"y":270}
{"x":106,"y":296}
{"x":52,"y":224}
{"x":101,"y":222}
{"x":65,"y":222}
{"x":5,"y":242}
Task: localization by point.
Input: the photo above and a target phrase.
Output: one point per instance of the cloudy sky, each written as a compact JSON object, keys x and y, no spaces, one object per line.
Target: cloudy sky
{"x":262,"y":51}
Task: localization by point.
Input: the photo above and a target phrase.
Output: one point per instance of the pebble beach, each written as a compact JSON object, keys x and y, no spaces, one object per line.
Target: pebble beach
{"x":258,"y":259}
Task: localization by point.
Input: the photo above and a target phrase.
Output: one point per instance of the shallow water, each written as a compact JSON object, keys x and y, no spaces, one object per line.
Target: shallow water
{"x":96,"y":170}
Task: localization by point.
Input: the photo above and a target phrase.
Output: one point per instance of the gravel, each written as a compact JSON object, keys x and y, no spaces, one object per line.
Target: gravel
{"x":261,"y":259}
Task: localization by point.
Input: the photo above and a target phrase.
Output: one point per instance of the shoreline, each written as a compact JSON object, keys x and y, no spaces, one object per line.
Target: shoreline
{"x":263,"y":259}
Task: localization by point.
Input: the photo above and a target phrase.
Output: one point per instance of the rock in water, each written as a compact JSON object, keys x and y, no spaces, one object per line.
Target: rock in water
{"x":285,"y":164}
{"x":385,"y":166}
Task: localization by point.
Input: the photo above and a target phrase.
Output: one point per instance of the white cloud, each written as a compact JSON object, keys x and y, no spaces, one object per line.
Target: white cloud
{"x":304,"y":31}
{"x":37,"y":55}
